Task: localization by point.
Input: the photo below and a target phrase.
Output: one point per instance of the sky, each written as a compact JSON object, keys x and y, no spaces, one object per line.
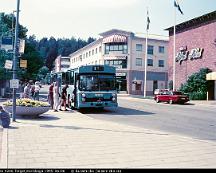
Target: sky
{"x":89,"y":18}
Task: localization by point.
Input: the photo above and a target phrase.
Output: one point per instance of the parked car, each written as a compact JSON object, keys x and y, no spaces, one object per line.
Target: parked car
{"x":171,"y":97}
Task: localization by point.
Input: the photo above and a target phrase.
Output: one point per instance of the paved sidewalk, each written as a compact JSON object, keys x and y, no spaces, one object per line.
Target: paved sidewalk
{"x":74,"y":140}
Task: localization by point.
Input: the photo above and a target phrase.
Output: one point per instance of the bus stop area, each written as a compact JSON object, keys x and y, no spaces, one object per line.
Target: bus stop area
{"x":74,"y":140}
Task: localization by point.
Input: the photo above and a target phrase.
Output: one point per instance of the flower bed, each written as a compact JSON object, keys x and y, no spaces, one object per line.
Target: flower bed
{"x":27,"y":107}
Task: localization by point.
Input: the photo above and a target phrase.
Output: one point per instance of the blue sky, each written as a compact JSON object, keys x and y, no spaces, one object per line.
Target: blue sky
{"x":84,"y":18}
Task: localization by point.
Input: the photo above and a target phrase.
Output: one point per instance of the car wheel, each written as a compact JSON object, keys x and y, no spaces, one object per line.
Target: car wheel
{"x":170,"y":102}
{"x":157,"y":100}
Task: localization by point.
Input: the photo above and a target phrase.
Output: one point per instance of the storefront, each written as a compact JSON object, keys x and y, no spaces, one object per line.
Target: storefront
{"x":195,"y":49}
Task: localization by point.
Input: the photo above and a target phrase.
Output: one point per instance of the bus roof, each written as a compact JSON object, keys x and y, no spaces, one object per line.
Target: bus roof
{"x":95,"y":69}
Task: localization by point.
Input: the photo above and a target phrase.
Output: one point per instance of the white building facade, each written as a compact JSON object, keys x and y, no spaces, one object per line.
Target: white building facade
{"x":126,"y":52}
{"x":62,"y":63}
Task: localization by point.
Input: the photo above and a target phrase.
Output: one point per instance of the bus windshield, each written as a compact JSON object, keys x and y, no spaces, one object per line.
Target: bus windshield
{"x":97,"y":82}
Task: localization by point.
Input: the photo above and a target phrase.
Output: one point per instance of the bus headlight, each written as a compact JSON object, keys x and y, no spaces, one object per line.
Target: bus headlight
{"x":83,"y":95}
{"x":83,"y":99}
{"x":114,"y":99}
{"x":114,"y":95}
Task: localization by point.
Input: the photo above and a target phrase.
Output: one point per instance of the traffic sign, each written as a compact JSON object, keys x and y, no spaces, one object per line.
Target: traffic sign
{"x":14,"y":83}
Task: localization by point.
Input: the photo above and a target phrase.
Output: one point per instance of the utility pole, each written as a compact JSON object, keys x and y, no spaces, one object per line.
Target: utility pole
{"x":15,"y":59}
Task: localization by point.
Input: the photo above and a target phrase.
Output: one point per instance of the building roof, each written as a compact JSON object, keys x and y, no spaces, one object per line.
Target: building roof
{"x":116,"y":31}
{"x":195,"y":22}
{"x":86,"y":47}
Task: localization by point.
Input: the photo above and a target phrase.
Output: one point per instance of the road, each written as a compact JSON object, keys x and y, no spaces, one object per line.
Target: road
{"x":187,"y":120}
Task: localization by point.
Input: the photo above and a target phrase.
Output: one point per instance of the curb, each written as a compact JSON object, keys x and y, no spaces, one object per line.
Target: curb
{"x":4,"y":158}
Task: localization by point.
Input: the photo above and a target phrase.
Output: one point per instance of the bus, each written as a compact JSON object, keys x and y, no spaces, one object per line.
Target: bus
{"x":90,"y":86}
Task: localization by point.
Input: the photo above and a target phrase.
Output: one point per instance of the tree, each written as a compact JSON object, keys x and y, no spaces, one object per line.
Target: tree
{"x":197,"y":85}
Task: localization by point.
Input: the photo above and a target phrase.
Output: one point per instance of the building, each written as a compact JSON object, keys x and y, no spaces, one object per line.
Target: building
{"x":195,"y":49}
{"x":126,"y":52}
{"x":62,"y":63}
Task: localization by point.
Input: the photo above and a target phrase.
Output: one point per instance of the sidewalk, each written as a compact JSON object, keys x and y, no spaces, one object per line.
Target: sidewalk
{"x":194,"y":102}
{"x":74,"y":140}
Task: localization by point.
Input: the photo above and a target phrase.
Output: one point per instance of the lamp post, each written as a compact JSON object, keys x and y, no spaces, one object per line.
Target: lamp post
{"x":15,"y":49}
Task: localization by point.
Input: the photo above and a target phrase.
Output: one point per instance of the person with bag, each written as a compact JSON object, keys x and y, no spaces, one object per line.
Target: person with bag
{"x":64,"y":97}
{"x":56,"y":96}
{"x":50,"y":95}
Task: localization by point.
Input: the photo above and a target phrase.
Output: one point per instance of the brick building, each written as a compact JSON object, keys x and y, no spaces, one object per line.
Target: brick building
{"x":195,"y":49}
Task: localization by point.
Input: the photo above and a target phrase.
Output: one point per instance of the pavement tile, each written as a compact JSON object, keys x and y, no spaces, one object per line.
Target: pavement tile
{"x":80,"y":141}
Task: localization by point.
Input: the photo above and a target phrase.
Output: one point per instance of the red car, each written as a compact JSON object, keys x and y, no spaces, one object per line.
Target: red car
{"x":171,"y":97}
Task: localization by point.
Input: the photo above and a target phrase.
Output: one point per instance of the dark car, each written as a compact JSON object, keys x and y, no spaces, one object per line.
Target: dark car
{"x":171,"y":97}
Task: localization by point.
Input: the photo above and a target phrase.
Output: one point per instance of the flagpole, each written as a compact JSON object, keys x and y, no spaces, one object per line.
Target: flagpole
{"x":174,"y":49}
{"x":146,"y":51}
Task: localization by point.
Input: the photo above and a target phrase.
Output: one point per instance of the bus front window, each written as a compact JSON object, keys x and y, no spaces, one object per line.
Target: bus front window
{"x":96,"y":82}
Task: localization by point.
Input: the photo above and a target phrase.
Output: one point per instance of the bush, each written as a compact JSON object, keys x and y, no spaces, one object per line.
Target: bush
{"x":196,"y":85}
{"x":197,"y":95}
{"x":27,"y":103}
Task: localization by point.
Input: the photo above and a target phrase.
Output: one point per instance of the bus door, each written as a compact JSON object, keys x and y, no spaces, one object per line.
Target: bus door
{"x":76,"y":81}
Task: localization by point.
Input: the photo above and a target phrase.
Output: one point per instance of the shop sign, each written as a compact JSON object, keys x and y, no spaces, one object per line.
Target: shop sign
{"x":184,"y":54}
{"x":120,"y":74}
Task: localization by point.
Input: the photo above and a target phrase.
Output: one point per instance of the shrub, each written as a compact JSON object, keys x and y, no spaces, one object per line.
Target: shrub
{"x":27,"y":103}
{"x":196,"y":85}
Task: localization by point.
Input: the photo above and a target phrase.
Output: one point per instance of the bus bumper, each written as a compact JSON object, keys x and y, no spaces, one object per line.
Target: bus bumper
{"x":97,"y":104}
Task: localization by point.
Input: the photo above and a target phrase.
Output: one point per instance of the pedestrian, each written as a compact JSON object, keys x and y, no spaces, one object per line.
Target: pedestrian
{"x":32,"y":91}
{"x":37,"y":90}
{"x":56,"y":96}
{"x":27,"y":90}
{"x":50,"y":96}
{"x":64,"y":97}
{"x":5,"y":118}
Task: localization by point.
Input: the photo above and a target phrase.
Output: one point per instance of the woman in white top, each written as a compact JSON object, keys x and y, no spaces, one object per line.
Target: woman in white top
{"x":36,"y":90}
{"x":56,"y":96}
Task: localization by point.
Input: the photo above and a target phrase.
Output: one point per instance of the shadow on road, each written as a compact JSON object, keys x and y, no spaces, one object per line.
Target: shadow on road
{"x":116,"y":111}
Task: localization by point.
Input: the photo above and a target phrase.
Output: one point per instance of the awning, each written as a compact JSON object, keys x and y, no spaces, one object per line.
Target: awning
{"x":211,"y":76}
{"x":115,"y":38}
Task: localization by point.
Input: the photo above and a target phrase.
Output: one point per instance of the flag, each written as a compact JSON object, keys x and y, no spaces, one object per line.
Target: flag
{"x":176,"y":4}
{"x":148,"y":20}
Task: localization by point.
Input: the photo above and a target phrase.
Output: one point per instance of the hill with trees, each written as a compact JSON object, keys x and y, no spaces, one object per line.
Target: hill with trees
{"x":40,"y":54}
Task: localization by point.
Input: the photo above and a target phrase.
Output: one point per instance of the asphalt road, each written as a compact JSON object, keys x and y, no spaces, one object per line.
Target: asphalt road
{"x":187,"y":120}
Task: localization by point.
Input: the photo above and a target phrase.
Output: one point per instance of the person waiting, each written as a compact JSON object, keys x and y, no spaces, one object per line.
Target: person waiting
{"x":5,"y":118}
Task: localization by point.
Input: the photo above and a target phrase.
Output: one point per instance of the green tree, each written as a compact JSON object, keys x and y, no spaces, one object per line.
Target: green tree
{"x":34,"y":63}
{"x":196,"y":85}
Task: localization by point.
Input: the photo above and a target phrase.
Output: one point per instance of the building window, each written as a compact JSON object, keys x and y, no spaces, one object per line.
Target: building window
{"x":161,"y":63}
{"x":89,"y":53}
{"x":86,"y":54}
{"x":150,"y":62}
{"x":116,"y":47}
{"x":138,"y":47}
{"x":96,"y":51}
{"x":138,"y":61}
{"x":116,"y":63}
{"x":93,"y":52}
{"x":150,"y":50}
{"x":161,"y":49}
{"x":100,"y":49}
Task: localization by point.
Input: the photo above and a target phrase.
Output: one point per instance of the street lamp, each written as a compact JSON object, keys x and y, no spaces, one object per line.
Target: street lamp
{"x":15,"y":49}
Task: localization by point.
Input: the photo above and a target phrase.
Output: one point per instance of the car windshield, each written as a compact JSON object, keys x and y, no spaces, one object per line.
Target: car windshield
{"x":177,"y":93}
{"x":97,"y":82}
